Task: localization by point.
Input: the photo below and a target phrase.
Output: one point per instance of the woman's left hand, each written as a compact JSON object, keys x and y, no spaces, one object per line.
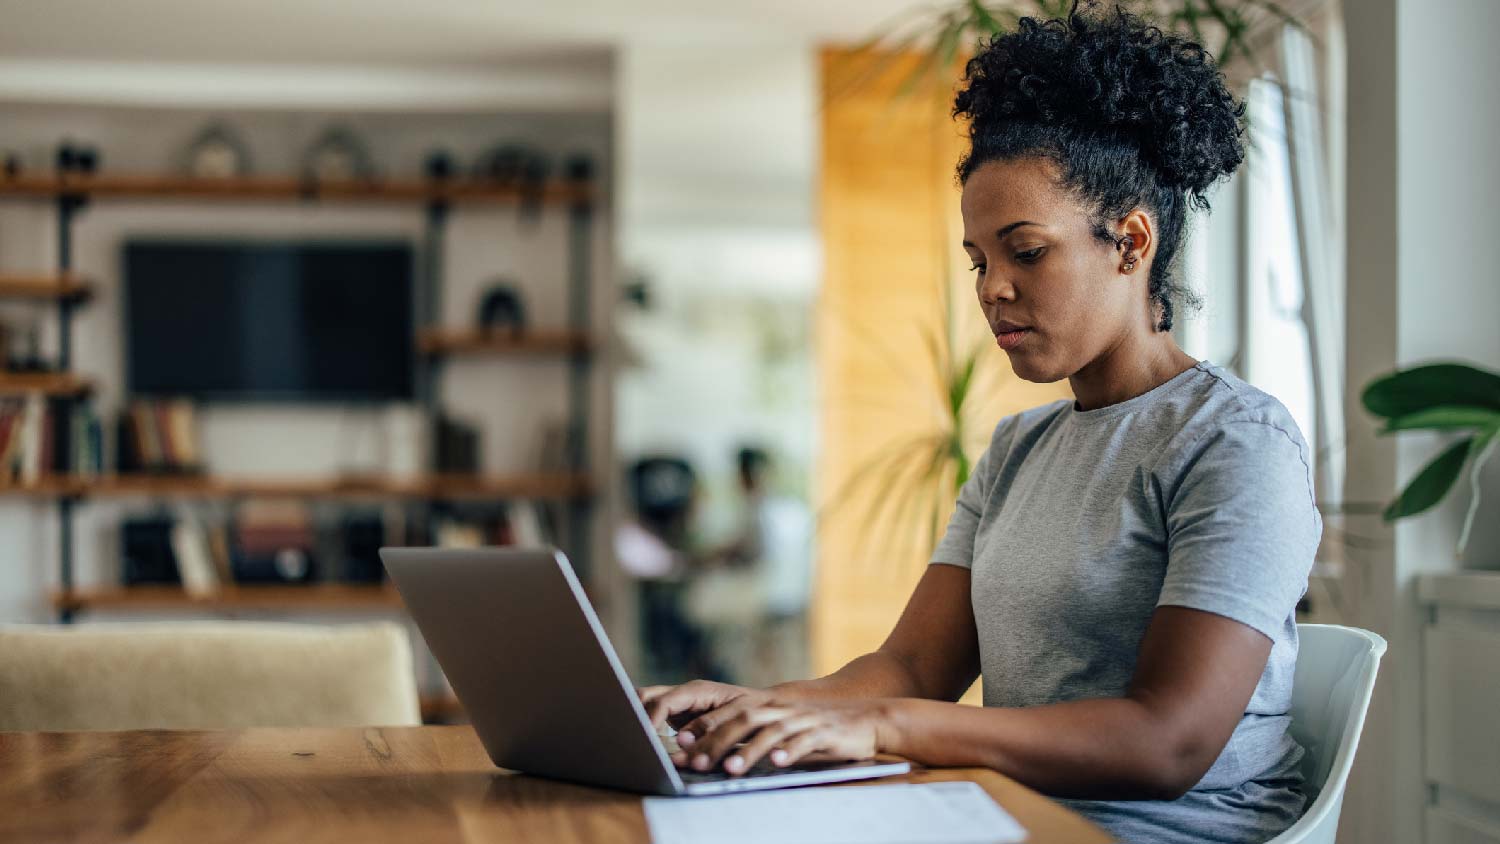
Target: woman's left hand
{"x":786,"y":731}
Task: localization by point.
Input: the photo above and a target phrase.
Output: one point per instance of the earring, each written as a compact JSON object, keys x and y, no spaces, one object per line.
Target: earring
{"x":1129,"y":262}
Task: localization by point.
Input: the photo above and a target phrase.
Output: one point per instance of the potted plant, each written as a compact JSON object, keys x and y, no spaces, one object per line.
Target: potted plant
{"x":1444,"y":397}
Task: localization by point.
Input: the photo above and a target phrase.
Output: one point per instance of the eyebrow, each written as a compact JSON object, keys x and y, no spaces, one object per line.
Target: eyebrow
{"x":1005,"y":230}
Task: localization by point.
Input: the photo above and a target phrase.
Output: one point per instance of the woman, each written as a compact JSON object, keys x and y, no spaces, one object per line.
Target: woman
{"x":1121,"y":570}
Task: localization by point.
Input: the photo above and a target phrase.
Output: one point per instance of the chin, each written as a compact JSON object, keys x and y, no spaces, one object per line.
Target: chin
{"x":1037,"y":371}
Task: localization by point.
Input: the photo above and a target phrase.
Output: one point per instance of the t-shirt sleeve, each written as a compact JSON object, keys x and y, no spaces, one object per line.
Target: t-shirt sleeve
{"x":957,"y":545}
{"x":1242,"y":527}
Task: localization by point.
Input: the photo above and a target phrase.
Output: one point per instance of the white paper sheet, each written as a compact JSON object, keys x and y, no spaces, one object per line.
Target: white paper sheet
{"x":903,"y":813}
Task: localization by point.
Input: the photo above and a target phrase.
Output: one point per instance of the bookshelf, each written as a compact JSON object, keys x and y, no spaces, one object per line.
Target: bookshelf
{"x":571,"y":486}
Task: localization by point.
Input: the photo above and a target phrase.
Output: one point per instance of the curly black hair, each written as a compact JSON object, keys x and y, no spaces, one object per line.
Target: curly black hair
{"x":1134,"y":118}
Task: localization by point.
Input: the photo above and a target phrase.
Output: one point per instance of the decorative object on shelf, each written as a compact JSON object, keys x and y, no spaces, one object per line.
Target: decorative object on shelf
{"x":24,"y":351}
{"x":88,"y":160}
{"x":405,"y":441}
{"x":1448,"y":398}
{"x":337,"y":156}
{"x":362,"y":535}
{"x":455,"y":445}
{"x":77,"y":158}
{"x":67,"y":157}
{"x":159,"y":437}
{"x":273,"y":542}
{"x":554,"y":449}
{"x":521,"y":167}
{"x":502,"y":309}
{"x":439,"y":166}
{"x":216,"y":152}
{"x":146,"y":554}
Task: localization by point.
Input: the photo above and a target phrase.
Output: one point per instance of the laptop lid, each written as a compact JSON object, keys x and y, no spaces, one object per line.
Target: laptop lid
{"x":520,"y":643}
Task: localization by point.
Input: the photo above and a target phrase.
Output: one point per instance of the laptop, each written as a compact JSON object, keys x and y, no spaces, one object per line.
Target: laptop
{"x":527,"y":657}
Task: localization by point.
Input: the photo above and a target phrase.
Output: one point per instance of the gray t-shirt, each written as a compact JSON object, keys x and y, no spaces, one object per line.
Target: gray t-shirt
{"x":1078,"y":524}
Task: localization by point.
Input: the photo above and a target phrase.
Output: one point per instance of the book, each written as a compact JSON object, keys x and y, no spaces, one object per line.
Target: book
{"x":194,"y":559}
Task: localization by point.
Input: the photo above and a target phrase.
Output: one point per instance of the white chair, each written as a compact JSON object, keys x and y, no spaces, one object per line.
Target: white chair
{"x":1335,"y":677}
{"x":185,"y":675}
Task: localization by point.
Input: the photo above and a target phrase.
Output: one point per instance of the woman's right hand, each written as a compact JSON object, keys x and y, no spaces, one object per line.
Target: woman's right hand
{"x":681,"y":705}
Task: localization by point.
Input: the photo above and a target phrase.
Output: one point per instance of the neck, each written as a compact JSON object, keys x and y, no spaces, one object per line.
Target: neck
{"x":1135,"y":365}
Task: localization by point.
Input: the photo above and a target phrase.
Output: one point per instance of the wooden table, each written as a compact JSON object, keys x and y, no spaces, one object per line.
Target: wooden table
{"x":407,"y":784}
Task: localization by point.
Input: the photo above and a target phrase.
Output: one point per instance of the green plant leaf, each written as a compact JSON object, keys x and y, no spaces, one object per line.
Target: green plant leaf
{"x":1444,"y":418}
{"x":1407,"y":391}
{"x":1430,"y":484}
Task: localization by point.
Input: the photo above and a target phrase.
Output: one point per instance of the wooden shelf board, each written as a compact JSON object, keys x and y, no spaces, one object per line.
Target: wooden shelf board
{"x":47,"y":486}
{"x":445,"y":487}
{"x":46,"y":383}
{"x":145,"y":186}
{"x":230,"y":597}
{"x":66,"y":287}
{"x":449,"y":341}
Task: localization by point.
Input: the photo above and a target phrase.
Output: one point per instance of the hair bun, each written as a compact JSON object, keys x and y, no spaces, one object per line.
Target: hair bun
{"x":1115,"y":76}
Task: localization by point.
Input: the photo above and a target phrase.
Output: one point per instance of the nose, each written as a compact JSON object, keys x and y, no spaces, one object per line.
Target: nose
{"x":994,"y":287}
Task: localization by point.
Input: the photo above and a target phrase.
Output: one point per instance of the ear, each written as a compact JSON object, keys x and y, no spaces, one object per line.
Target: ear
{"x":1136,"y":242}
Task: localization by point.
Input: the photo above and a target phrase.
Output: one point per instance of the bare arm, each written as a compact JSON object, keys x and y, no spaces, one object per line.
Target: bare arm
{"x":933,"y":652}
{"x":1194,"y":676}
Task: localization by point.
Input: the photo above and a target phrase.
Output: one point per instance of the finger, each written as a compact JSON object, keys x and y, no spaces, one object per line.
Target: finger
{"x":650,"y":693}
{"x":710,"y":750}
{"x":766,"y":741}
{"x":799,"y":747}
{"x":689,"y":734}
{"x":690,"y":698}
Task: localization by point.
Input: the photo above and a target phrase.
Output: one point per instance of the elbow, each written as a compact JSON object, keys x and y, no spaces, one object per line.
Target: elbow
{"x":1174,"y":765}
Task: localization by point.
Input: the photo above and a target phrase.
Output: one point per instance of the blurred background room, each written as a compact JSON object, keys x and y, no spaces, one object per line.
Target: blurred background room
{"x":677,"y":287}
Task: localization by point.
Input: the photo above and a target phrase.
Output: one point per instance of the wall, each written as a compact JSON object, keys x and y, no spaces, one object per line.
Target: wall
{"x":1421,"y":183}
{"x":508,"y":398}
{"x":892,"y":235}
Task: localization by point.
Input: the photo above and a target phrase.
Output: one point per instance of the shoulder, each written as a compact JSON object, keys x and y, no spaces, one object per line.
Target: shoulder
{"x":1228,"y":409}
{"x":1237,"y":434}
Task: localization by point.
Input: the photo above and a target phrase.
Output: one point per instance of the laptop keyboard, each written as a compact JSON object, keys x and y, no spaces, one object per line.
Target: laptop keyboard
{"x":763,"y":768}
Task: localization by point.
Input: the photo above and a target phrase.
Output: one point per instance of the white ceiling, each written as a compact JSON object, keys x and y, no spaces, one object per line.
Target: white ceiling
{"x":436,"y":32}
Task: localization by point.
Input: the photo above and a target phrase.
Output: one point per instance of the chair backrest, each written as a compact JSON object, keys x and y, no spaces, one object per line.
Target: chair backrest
{"x":1331,"y":691}
{"x":183,"y":675}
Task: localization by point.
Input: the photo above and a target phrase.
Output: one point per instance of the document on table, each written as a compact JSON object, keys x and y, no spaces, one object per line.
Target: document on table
{"x":903,"y":813}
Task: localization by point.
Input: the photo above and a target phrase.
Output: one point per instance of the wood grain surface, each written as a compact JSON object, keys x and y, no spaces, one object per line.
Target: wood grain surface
{"x":301,"y":786}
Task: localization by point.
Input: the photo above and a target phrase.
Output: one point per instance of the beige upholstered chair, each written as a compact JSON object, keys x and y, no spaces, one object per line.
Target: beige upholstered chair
{"x":186,"y":675}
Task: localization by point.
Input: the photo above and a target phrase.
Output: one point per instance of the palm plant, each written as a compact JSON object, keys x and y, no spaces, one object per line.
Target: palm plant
{"x":958,"y":386}
{"x":1448,"y":398}
{"x":1228,"y":29}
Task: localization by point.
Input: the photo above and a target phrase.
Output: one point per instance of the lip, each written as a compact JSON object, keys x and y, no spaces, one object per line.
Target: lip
{"x":1009,"y":335}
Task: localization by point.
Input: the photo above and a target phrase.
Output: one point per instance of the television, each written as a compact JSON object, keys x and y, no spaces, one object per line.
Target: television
{"x":270,"y":320}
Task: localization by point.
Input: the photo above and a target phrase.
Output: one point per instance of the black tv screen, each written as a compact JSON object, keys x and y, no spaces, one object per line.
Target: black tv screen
{"x":269,"y":320}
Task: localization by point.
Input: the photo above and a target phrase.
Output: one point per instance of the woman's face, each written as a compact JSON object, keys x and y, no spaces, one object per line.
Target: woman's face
{"x":1054,"y":294}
